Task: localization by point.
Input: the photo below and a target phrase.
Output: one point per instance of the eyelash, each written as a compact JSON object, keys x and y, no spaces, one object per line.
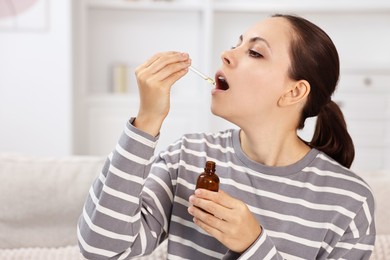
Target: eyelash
{"x":255,"y":54}
{"x":251,"y":53}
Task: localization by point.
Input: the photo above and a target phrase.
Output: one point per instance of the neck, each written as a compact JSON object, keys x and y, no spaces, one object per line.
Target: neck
{"x":272,"y":147}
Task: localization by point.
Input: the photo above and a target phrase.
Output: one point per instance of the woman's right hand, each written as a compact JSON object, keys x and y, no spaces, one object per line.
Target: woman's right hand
{"x":155,"y":78}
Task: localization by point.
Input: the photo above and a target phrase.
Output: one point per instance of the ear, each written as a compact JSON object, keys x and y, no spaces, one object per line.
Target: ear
{"x":295,"y":94}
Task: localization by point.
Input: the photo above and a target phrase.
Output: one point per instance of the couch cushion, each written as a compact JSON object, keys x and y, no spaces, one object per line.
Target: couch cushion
{"x":380,"y":183}
{"x":37,"y":253}
{"x":42,"y":198}
{"x":67,"y":253}
{"x":382,"y":248}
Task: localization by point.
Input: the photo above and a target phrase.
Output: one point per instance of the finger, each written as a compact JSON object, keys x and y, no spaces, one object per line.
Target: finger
{"x":212,"y":208}
{"x":208,"y":219}
{"x":175,"y":76}
{"x":220,"y":197}
{"x":164,"y":61}
{"x":208,"y":228}
{"x":169,"y":81}
{"x":170,"y":70}
{"x":154,"y":58}
{"x":162,"y":68}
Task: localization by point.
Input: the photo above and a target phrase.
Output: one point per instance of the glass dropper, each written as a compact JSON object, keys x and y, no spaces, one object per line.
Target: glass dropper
{"x":200,"y":74}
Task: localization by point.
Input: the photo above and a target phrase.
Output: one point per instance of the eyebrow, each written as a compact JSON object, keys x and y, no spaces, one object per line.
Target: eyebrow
{"x":256,"y":39}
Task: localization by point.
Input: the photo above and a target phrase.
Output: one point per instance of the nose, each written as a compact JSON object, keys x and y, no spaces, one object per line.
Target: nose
{"x":227,"y":57}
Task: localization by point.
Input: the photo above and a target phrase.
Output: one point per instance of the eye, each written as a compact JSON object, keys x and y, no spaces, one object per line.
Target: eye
{"x":233,"y":47}
{"x":254,"y":54}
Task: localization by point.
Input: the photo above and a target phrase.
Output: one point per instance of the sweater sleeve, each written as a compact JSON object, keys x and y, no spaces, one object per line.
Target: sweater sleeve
{"x":359,"y":239}
{"x":357,"y":242}
{"x":122,"y":216}
{"x":262,"y":248}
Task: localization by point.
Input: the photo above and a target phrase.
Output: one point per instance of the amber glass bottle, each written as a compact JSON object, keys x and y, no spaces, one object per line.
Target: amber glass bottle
{"x":208,"y":179}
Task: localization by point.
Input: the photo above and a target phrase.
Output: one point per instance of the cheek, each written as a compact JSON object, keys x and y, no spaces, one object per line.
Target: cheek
{"x":261,"y":92}
{"x":258,"y":87}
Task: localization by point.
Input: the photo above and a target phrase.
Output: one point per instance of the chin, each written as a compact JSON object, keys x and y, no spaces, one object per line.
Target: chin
{"x":217,"y":112}
{"x":214,"y":109}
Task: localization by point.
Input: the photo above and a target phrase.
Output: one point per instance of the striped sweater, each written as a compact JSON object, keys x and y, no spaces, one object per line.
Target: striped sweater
{"x":313,"y":209}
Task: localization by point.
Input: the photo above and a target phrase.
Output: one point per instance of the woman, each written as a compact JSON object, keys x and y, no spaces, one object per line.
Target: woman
{"x":280,"y":197}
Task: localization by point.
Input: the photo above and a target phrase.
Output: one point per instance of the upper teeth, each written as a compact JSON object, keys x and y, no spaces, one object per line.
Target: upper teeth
{"x":221,"y":78}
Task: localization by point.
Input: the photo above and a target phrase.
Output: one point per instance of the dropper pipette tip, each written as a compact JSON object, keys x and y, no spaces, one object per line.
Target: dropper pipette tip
{"x":208,"y":79}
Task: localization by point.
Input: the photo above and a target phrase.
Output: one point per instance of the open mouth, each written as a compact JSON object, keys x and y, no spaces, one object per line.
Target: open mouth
{"x":221,"y":82}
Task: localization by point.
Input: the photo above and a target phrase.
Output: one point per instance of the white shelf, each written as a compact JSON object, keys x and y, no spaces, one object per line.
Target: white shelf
{"x":349,"y":6}
{"x":108,"y":97}
{"x":367,"y":69}
{"x":145,"y":5}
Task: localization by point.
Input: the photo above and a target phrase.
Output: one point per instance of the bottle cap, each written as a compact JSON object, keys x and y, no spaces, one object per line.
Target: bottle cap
{"x":210,"y":165}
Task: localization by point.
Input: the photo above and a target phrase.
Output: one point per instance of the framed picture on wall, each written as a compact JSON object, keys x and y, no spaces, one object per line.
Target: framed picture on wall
{"x":24,"y":15}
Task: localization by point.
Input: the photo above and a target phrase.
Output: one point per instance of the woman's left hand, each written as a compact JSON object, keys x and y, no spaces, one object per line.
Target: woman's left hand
{"x":229,"y":220}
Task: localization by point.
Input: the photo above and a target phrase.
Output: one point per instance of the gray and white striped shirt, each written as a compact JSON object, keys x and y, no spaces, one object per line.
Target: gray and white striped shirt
{"x":313,"y":209}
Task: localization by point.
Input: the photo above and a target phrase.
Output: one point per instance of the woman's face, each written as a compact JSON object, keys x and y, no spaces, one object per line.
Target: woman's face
{"x":256,"y":73}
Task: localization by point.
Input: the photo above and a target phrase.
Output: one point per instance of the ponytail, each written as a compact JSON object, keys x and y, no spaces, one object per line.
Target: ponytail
{"x":314,"y":58}
{"x":331,"y":135}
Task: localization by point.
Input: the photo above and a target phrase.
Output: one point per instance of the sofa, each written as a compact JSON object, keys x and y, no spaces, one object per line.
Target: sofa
{"x":41,"y":199}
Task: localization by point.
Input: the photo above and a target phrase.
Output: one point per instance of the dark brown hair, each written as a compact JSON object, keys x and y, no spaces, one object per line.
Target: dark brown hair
{"x":314,"y":58}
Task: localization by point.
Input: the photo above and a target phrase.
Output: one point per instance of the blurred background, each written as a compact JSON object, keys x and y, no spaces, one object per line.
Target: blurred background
{"x":67,"y":83}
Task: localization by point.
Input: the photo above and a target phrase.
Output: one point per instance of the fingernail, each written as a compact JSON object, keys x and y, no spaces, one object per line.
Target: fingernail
{"x":192,"y":198}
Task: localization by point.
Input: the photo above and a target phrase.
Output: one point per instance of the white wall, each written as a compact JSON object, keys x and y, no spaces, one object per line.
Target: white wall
{"x":36,"y":86}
